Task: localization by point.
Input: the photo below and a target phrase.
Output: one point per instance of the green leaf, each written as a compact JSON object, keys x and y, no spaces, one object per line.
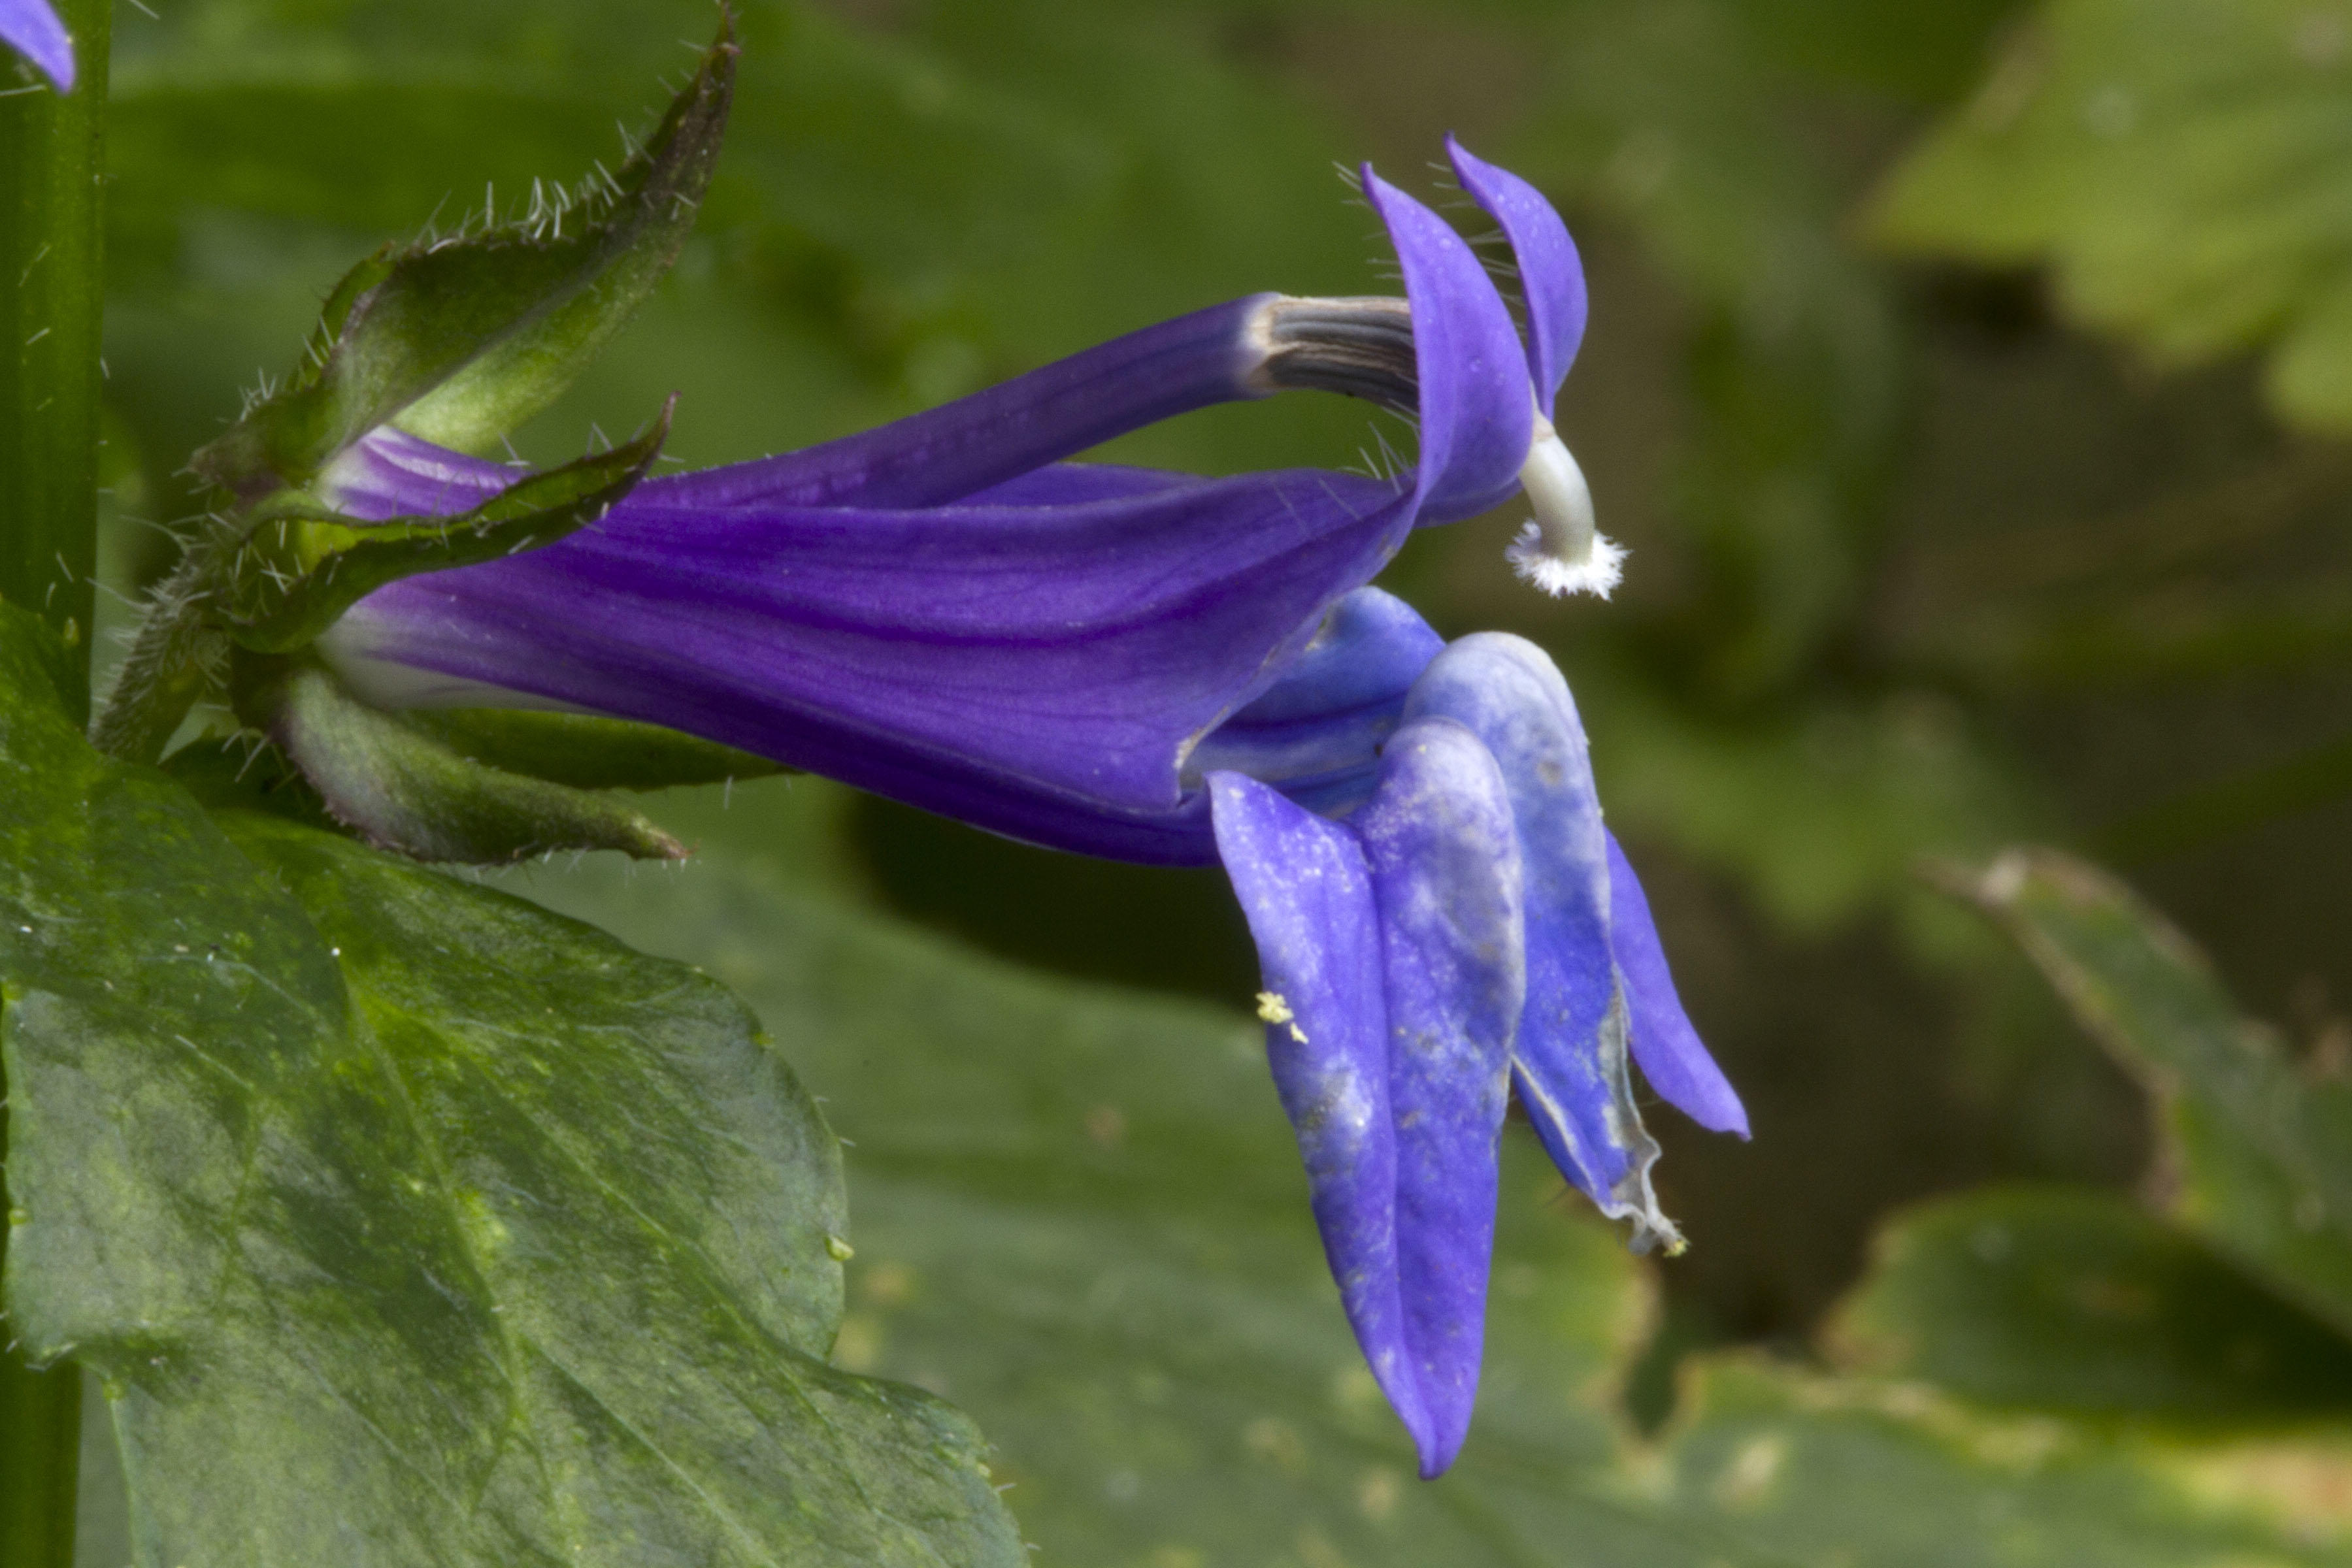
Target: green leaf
{"x":2073,"y":1299}
{"x":410,"y":1225}
{"x":460,"y":339}
{"x":231,"y":773}
{"x":1800,"y":1468}
{"x":2264,"y":1150}
{"x":1080,"y":1215}
{"x":297,"y":573}
{"x":2179,"y":163}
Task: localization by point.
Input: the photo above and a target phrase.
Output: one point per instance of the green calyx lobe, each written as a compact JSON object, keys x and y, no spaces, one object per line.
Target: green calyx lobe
{"x":585,"y":750}
{"x":402,"y":789}
{"x":301,"y":565}
{"x":481,"y":787}
{"x":458,"y":340}
{"x":272,"y":582}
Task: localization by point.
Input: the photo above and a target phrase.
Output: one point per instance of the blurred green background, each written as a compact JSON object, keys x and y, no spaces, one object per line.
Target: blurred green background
{"x":1968,"y":379}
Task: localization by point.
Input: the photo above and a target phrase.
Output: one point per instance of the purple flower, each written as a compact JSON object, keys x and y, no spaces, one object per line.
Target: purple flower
{"x":940,"y":612}
{"x":32,"y":29}
{"x":1163,"y":668}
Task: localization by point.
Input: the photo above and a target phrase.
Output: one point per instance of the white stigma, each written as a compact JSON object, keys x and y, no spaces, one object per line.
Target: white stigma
{"x":1559,"y":550}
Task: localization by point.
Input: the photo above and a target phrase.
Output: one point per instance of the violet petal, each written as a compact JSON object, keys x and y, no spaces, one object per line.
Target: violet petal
{"x":1475,"y":427}
{"x":1038,"y":671}
{"x":1303,"y":883}
{"x":1551,"y":276}
{"x":389,"y":473}
{"x":1477,"y":418}
{"x":1317,"y":733}
{"x":1445,"y":876}
{"x":1671,"y":1055}
{"x":1056,"y":411}
{"x":392,"y":474}
{"x":33,"y":30}
{"x":1570,"y":1055}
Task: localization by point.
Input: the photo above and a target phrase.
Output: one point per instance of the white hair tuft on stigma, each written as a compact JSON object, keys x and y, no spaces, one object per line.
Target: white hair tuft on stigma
{"x":1601,"y":571}
{"x":1559,"y":550}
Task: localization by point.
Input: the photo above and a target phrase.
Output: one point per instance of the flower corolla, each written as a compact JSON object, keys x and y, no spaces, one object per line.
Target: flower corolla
{"x":1169,"y":669}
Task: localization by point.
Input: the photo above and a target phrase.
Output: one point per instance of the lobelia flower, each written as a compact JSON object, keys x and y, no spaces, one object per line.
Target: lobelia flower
{"x":938,"y":612}
{"x":1169,"y":669}
{"x":31,"y":28}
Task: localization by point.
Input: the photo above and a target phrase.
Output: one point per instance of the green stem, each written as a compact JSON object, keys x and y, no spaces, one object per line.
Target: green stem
{"x":40,"y":1456}
{"x":51,"y":255}
{"x":51,"y":161}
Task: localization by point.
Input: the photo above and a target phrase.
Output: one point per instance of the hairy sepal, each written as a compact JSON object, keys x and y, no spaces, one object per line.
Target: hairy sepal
{"x":301,"y":566}
{"x":585,"y":750}
{"x":404,"y":791}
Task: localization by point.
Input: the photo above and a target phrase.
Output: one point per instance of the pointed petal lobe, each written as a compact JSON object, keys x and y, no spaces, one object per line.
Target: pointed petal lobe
{"x":1671,"y":1057}
{"x":1303,"y":883}
{"x":1551,"y":274}
{"x":1477,"y":418}
{"x":1569,"y":1056}
{"x":1445,"y":876}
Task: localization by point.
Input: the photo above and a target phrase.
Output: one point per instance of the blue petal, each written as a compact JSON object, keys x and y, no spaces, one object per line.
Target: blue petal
{"x":1447,"y":879}
{"x":1551,"y":277}
{"x":33,"y":30}
{"x":949,"y":453}
{"x":1039,"y":671}
{"x":1004,"y":434}
{"x":1368,"y":653}
{"x":1303,"y":883}
{"x":1317,"y":733}
{"x":1569,"y":1057}
{"x":1474,"y":424}
{"x":1072,"y":484}
{"x":1390,"y":950}
{"x":1668,"y":1049}
{"x":392,"y":474}
{"x":1477,"y":414}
